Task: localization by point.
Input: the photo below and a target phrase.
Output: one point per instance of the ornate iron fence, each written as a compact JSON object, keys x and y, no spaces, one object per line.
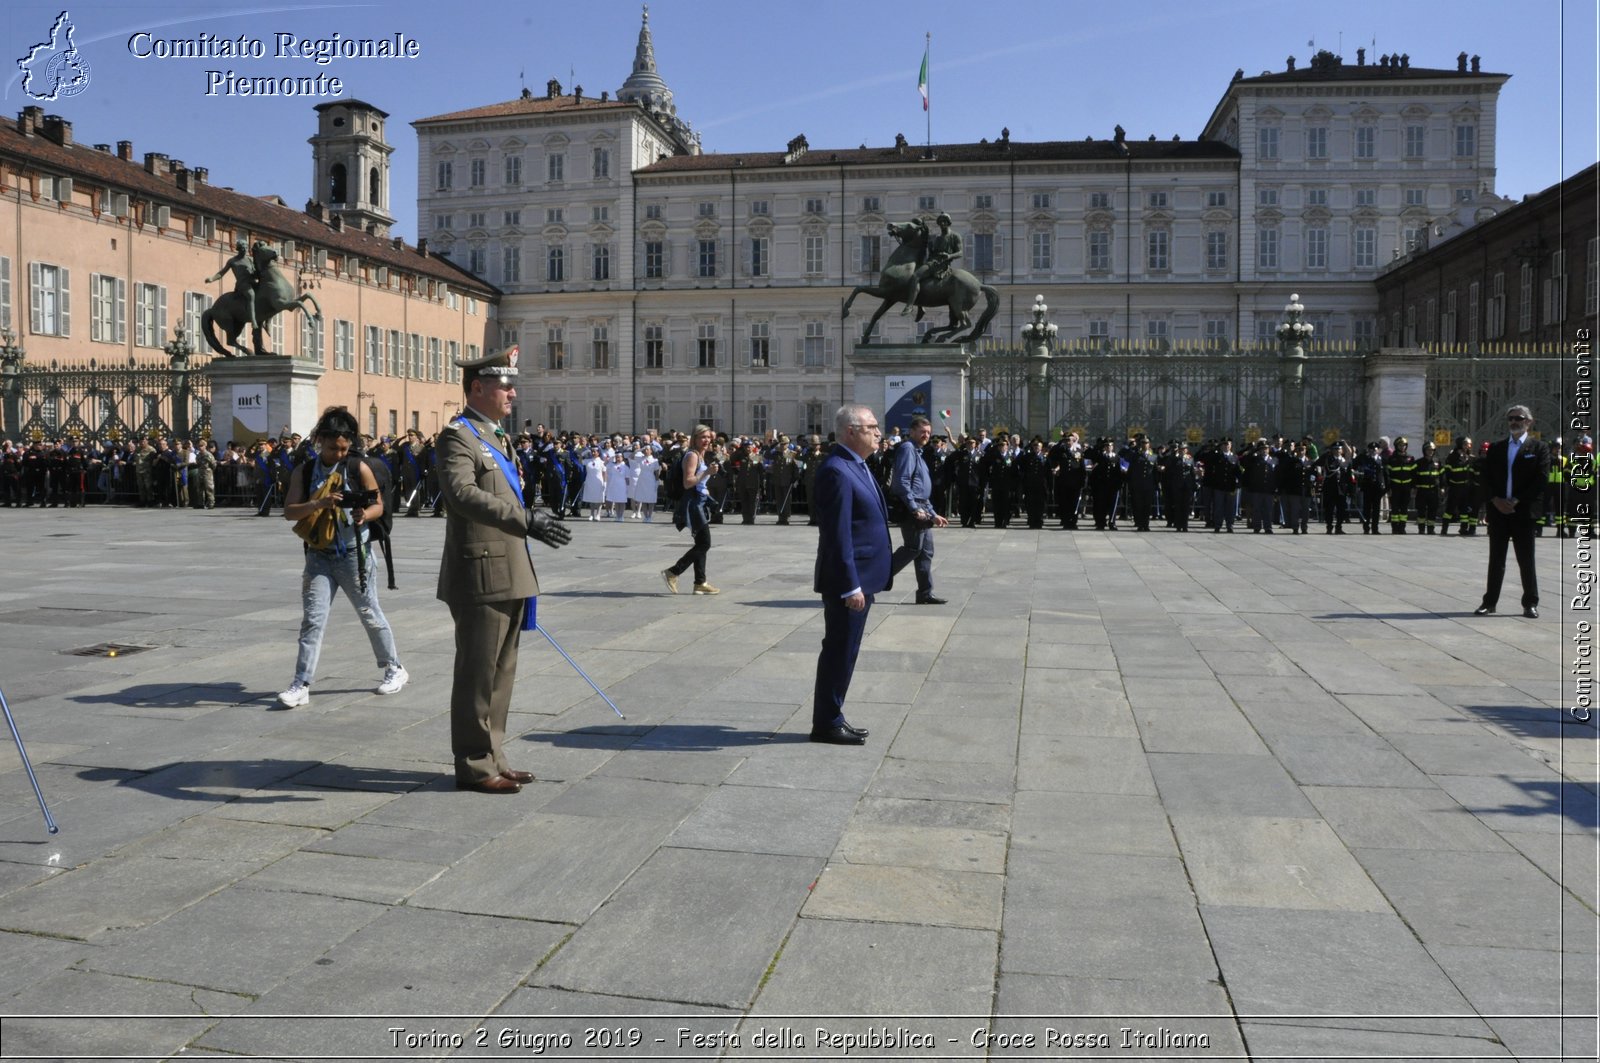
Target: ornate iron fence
{"x":1171,"y":394}
{"x":1469,"y":396}
{"x":97,"y":403}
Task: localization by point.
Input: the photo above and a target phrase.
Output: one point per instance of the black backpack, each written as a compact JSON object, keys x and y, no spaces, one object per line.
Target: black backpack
{"x":673,"y":487}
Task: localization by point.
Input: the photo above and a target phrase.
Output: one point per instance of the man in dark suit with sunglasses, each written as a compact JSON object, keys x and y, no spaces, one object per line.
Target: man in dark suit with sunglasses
{"x":1513,"y":475}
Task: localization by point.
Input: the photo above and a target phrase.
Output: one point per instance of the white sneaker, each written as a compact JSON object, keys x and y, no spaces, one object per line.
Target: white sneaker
{"x":297,"y":695}
{"x":393,"y":679}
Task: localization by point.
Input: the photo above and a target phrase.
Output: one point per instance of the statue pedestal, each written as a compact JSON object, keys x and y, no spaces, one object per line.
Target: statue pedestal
{"x":1397,"y":394}
{"x":261,"y":397}
{"x":903,"y":380}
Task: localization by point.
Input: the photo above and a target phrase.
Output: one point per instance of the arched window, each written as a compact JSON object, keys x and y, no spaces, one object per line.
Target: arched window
{"x":336,"y":183}
{"x":372,"y":187}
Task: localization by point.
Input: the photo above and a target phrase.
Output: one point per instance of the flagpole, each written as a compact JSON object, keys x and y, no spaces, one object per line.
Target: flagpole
{"x":927,"y":55}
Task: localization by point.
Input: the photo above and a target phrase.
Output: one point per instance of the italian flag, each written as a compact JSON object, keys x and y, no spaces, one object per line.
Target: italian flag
{"x":922,"y":79}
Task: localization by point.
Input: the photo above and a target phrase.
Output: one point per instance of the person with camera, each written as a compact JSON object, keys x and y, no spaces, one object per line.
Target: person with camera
{"x":486,"y":576}
{"x":911,"y":505}
{"x":332,"y":498}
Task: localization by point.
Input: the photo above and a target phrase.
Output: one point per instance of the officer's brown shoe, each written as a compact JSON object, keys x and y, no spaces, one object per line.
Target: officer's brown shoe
{"x":494,"y":784}
{"x":517,"y":776}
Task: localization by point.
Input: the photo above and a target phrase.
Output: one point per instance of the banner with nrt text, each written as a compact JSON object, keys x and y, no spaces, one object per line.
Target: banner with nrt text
{"x":905,"y":397}
{"x":249,"y":412}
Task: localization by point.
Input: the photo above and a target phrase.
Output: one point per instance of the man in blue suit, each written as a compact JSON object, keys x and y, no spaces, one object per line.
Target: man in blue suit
{"x":853,"y":564}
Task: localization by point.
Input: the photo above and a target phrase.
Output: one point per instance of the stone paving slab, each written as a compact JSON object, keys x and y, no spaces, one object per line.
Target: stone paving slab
{"x":1285,"y":795}
{"x":659,"y":934}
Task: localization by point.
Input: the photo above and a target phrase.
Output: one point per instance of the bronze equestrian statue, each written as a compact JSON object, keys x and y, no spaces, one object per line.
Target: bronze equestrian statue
{"x":905,"y":279}
{"x":261,"y":291}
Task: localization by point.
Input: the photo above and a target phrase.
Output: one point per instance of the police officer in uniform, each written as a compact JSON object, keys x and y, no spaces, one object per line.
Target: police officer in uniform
{"x":487,"y":574}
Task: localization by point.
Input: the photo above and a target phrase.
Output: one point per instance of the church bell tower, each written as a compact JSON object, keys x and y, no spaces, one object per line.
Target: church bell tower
{"x":350,"y":165}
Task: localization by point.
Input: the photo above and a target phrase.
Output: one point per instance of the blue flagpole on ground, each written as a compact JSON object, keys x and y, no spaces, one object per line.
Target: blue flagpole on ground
{"x":49,"y":823}
{"x":530,"y":622}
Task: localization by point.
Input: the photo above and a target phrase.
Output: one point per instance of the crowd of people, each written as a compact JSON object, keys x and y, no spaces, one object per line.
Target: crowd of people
{"x":1267,"y":484}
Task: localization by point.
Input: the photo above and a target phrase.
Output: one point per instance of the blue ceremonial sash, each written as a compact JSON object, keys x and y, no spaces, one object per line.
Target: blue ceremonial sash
{"x":513,"y":475}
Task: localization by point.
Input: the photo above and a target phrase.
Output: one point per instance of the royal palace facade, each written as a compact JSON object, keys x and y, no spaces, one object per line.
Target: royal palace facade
{"x":654,"y":285}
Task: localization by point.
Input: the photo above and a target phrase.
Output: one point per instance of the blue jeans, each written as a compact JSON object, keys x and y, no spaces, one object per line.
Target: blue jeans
{"x":324,"y":571}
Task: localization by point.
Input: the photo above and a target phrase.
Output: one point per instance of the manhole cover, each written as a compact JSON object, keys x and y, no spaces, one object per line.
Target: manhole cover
{"x":108,"y":649}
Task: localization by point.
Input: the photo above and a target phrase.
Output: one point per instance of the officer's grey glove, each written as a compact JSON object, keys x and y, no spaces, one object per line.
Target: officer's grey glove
{"x":545,"y":528}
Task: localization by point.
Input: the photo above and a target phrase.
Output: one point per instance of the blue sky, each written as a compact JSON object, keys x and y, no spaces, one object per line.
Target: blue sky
{"x":749,"y":76}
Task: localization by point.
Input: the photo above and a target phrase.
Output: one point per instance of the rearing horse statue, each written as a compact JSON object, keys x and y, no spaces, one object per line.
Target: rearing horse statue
{"x":273,"y":294}
{"x":956,"y":289}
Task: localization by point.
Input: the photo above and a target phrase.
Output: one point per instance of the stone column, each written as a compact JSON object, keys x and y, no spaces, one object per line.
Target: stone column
{"x":1397,"y":393}
{"x":882,"y":369}
{"x":253,"y":398}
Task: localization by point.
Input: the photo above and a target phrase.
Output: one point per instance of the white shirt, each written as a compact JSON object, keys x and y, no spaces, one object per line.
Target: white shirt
{"x":1516,"y":443}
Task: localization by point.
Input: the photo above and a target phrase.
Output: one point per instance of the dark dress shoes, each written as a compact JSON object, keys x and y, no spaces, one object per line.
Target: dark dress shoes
{"x":494,"y":784}
{"x":1483,"y":610}
{"x":1531,"y":612}
{"x":838,"y":736}
{"x":859,"y":732}
{"x":929,"y":599}
{"x":518,"y":776}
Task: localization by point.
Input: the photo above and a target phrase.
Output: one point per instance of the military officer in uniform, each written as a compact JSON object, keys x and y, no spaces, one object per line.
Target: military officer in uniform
{"x":486,"y":576}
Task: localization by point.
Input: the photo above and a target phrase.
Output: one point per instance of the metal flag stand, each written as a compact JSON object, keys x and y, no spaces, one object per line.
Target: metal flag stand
{"x":530,"y":622}
{"x":49,"y":823}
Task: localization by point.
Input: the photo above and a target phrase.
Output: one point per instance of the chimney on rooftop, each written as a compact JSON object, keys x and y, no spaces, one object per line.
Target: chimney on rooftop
{"x":125,"y":150}
{"x":577,"y":94}
{"x":154,"y":162}
{"x":106,"y":148}
{"x":28,"y":120}
{"x":201,"y":175}
{"x":1291,"y":64}
{"x":422,"y":246}
{"x":314,"y":209}
{"x":336,"y":222}
{"x":58,"y":130}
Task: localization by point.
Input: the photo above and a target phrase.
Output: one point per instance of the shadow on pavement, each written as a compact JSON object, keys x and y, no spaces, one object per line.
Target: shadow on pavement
{"x":266,"y":781}
{"x":696,"y":737}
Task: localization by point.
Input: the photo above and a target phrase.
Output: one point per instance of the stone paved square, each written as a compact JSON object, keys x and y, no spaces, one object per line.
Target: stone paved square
{"x":1285,"y":793}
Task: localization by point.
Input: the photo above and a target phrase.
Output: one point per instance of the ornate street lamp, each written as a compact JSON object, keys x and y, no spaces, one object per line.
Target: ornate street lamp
{"x":1293,"y":335}
{"x":1038,"y":336}
{"x":1039,"y":333}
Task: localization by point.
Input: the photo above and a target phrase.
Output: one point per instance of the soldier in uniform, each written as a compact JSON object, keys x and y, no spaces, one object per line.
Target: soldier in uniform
{"x":1401,"y":468}
{"x":486,"y":575}
{"x":967,"y":474}
{"x":1035,"y":476}
{"x":1372,"y":480}
{"x":203,"y":491}
{"x":812,"y":461}
{"x":1000,"y":463}
{"x":1139,"y":477}
{"x":1105,"y":483}
{"x":747,"y":476}
{"x":1066,"y":471}
{"x":1338,"y":486}
{"x":785,"y":476}
{"x":1428,"y":473}
{"x":1178,"y":488}
{"x":10,"y":474}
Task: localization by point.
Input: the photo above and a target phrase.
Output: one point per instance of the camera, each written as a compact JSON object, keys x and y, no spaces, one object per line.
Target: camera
{"x":360,"y":499}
